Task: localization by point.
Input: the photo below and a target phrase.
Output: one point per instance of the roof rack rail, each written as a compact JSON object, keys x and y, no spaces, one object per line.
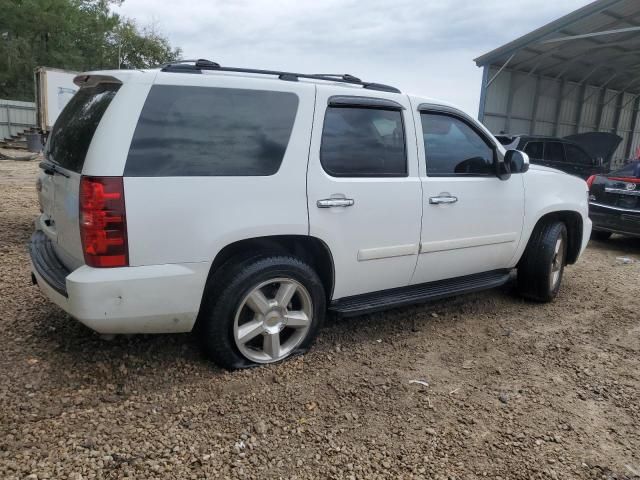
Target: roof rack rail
{"x":196,"y":66}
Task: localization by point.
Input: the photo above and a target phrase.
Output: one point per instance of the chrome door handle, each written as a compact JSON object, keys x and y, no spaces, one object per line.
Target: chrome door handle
{"x":442,"y":199}
{"x":335,"y":202}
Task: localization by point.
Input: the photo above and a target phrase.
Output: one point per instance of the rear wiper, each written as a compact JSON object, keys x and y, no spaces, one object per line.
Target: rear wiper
{"x":51,"y":169}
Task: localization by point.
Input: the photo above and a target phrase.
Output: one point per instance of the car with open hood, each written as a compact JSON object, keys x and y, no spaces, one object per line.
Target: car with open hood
{"x":614,"y":202}
{"x":583,"y":154}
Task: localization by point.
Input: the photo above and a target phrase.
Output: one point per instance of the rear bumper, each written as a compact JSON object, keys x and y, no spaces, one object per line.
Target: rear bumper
{"x":614,"y":219}
{"x":145,"y":299}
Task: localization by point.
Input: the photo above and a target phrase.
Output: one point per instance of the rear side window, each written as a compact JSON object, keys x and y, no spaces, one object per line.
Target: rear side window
{"x":576,"y":155}
{"x":553,"y":152}
{"x":363,"y":142}
{"x":203,"y":131}
{"x":534,"y":150}
{"x":71,"y":135}
{"x":453,"y":148}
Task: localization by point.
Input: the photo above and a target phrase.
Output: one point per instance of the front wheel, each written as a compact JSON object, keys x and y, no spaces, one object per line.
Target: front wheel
{"x":261,"y":310}
{"x":542,"y":265}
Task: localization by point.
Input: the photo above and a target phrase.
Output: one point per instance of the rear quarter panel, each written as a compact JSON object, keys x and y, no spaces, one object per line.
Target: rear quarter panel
{"x":190,"y":219}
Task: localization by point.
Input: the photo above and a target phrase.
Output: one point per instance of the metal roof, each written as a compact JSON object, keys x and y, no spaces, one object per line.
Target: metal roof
{"x":598,"y":44}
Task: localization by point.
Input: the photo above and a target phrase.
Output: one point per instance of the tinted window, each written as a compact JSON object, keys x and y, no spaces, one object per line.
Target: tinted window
{"x":553,"y":152}
{"x":454,"y":148}
{"x":201,"y":131}
{"x":71,"y":135}
{"x":534,"y":150}
{"x":630,"y":170}
{"x":576,"y":155}
{"x":363,"y":142}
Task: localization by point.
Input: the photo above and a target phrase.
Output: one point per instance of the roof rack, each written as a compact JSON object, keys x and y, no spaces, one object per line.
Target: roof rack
{"x":197,"y":66}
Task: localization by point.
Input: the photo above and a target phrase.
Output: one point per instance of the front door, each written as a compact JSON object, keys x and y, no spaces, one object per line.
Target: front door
{"x":472,"y":220}
{"x":364,"y":192}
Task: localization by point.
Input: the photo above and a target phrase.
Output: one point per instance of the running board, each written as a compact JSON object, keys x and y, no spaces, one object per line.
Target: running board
{"x":397,"y":297}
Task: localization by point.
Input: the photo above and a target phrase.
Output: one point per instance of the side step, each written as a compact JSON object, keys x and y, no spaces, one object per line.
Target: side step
{"x":397,"y":297}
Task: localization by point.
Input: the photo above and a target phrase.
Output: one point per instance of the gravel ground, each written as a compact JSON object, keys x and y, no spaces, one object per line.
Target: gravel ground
{"x":516,"y":390}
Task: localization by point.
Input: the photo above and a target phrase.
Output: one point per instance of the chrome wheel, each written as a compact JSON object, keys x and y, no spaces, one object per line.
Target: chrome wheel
{"x":557,"y":263}
{"x":272,"y":320}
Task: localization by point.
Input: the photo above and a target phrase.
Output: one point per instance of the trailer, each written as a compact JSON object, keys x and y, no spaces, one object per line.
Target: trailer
{"x":54,"y":88}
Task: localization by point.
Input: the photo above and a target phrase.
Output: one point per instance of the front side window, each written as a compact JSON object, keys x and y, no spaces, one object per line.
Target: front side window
{"x":204,"y":131}
{"x":553,"y":152}
{"x":534,"y":150}
{"x":453,"y":148}
{"x":363,"y":142}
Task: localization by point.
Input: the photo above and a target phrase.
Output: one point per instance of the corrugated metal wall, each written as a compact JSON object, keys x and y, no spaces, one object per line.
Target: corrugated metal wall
{"x":16,"y":117}
{"x":519,"y":103}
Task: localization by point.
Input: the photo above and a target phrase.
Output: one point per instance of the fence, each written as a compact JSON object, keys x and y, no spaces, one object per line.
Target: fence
{"x":15,"y":117}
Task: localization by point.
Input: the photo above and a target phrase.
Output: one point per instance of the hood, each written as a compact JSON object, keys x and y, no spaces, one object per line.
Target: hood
{"x":597,"y":144}
{"x":542,"y":168}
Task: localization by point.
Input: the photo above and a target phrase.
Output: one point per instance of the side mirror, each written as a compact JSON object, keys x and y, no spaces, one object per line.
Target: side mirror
{"x":517,"y":161}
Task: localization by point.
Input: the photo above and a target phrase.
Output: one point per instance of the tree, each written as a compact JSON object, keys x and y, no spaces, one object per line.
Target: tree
{"x":73,"y":35}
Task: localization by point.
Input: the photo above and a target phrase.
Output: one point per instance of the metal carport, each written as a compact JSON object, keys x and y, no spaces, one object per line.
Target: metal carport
{"x":580,"y":73}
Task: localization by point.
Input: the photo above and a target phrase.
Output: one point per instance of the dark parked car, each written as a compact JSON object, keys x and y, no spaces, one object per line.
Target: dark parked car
{"x":614,"y":202}
{"x":582,"y":155}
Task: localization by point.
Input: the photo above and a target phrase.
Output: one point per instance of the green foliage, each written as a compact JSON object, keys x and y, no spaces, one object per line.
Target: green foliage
{"x":76,"y":35}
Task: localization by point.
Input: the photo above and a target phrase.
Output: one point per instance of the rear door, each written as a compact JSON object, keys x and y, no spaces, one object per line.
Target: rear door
{"x":66,"y":149}
{"x":364,"y":194}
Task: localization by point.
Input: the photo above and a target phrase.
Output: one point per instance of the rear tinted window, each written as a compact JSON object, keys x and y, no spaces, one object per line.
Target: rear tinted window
{"x":553,"y":152}
{"x":534,"y":150}
{"x":71,"y":135}
{"x":363,"y":142}
{"x":202,"y":131}
{"x":576,"y":155}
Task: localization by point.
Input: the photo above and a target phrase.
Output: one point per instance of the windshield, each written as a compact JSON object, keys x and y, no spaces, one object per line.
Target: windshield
{"x":72,"y":133}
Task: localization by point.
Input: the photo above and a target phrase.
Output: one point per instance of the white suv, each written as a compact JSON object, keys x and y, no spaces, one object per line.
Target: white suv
{"x":244,"y":204}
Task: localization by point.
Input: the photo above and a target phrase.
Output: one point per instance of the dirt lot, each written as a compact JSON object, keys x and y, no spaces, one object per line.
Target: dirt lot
{"x":516,"y":390}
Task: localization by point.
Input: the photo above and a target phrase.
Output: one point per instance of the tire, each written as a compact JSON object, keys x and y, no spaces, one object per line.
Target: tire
{"x":542,"y":265}
{"x":600,"y":235}
{"x":260,"y":310}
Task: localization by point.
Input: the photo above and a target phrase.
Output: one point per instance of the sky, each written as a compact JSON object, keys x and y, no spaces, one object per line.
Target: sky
{"x":425,"y":47}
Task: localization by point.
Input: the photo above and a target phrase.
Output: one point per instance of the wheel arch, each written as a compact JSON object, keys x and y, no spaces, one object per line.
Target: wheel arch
{"x":573,"y":221}
{"x":310,"y":249}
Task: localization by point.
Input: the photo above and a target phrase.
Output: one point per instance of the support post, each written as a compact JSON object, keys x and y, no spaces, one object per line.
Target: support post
{"x":534,"y":110}
{"x":483,"y":93}
{"x":556,"y":121}
{"x":634,"y":124}
{"x":579,"y":107}
{"x":8,"y":119}
{"x":512,"y":91}
{"x":600,"y":108}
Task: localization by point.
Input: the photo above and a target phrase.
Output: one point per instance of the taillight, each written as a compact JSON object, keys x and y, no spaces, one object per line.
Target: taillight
{"x":103,"y":223}
{"x":590,"y":181}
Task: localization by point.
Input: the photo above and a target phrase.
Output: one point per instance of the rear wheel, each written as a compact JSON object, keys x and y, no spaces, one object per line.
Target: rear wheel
{"x":542,"y":265}
{"x":600,"y":235}
{"x":261,"y":310}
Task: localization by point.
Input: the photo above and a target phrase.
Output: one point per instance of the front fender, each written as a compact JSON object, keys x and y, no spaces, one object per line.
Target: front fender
{"x":552,"y":192}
